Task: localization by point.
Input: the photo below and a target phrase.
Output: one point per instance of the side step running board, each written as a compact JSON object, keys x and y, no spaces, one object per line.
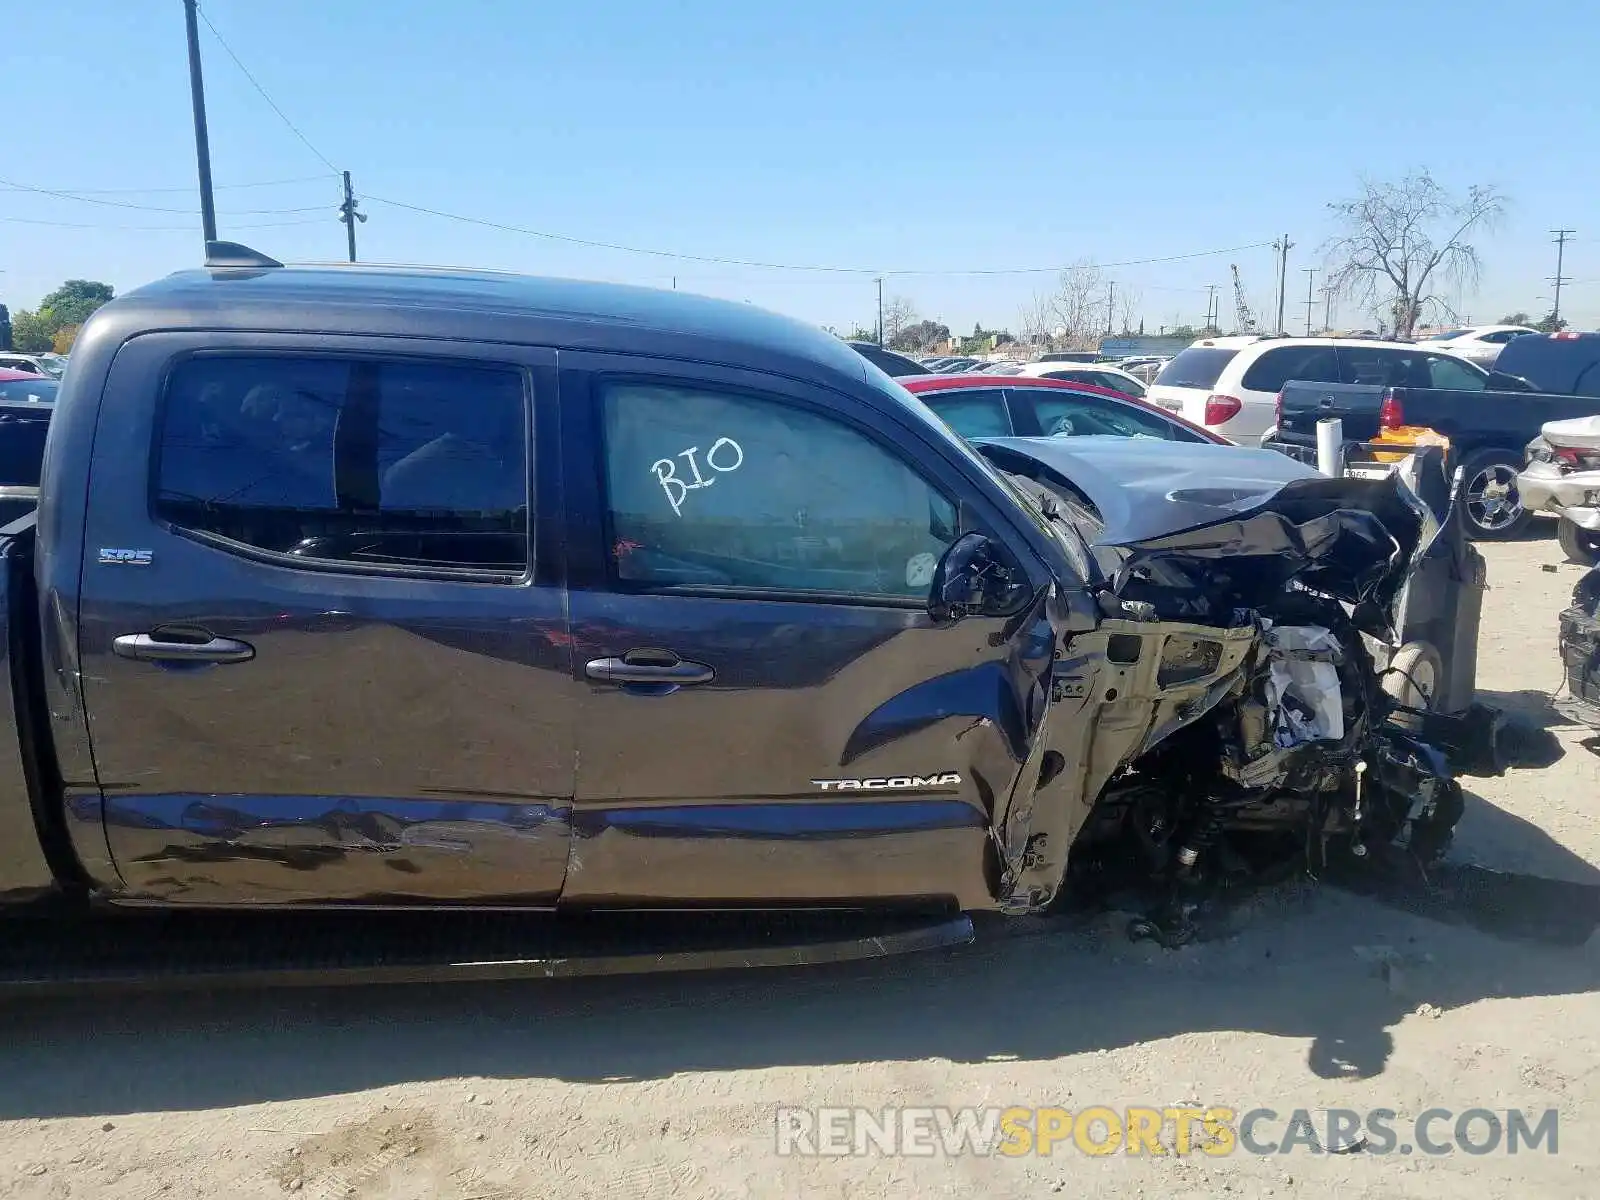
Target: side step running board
{"x":150,"y":951}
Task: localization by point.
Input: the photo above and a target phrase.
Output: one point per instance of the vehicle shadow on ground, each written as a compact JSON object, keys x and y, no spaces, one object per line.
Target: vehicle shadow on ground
{"x":1527,"y":741}
{"x":1302,"y":961}
{"x":1529,"y":705}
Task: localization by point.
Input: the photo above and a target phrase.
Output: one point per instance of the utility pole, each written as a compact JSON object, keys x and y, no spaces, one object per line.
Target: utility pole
{"x":202,"y":143}
{"x":1327,"y":306}
{"x":1211,"y":299}
{"x":1111,"y":306}
{"x":880,"y":312}
{"x":349,"y":215}
{"x":1562,"y":236}
{"x":1311,"y":275}
{"x":1282,"y":246}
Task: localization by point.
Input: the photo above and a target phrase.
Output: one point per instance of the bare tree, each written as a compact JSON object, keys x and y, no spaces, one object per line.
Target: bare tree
{"x":1080,"y":305}
{"x":1129,"y":300}
{"x":898,"y":312}
{"x":1073,"y":315}
{"x":1405,"y":242}
{"x":1036,"y":322}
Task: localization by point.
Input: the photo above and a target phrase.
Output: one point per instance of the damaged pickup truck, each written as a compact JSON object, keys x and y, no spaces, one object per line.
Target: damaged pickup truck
{"x":399,"y":588}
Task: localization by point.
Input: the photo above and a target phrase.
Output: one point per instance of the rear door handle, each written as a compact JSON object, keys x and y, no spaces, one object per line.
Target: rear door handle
{"x":148,"y":648}
{"x":637,"y":668}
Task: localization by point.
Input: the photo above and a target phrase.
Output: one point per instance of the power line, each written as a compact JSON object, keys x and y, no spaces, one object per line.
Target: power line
{"x":248,"y":212}
{"x":776,"y":266}
{"x":293,"y":128}
{"x":155,"y":228}
{"x":151,"y":191}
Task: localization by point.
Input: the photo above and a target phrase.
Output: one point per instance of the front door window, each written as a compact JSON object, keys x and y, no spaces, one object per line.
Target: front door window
{"x":728,"y":491}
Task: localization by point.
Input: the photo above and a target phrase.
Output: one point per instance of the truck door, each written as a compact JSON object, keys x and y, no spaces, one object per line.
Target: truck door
{"x":322,"y":622}
{"x":770,"y":715}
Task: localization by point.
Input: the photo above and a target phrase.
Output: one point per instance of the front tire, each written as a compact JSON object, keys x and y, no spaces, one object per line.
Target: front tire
{"x":1577,"y":543}
{"x":1414,"y":676}
{"x":1490,"y":506}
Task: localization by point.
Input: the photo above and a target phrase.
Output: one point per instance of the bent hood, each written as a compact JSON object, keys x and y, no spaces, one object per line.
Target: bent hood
{"x":1354,"y":539}
{"x":1580,"y":433}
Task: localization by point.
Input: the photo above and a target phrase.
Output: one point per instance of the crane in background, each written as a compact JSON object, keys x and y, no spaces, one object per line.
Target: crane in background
{"x":1242,"y":313}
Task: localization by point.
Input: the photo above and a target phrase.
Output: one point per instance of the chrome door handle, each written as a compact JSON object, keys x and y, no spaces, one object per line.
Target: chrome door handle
{"x":148,"y":648}
{"x":641,"y":670}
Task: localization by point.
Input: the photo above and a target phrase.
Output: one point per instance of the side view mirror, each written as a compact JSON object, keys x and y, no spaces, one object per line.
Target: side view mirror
{"x":976,"y":577}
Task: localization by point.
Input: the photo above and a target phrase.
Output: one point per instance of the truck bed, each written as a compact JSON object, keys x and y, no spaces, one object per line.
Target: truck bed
{"x":1472,"y":420}
{"x":25,"y":868}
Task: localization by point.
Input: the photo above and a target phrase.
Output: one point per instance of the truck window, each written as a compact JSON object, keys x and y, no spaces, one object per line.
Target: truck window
{"x":1308,"y":364}
{"x":1556,"y":365}
{"x":1451,"y":374}
{"x":22,"y":433}
{"x":386,"y":463}
{"x":723,"y":490}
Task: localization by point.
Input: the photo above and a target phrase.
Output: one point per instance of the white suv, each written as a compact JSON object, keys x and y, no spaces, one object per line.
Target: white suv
{"x":1231,"y":384}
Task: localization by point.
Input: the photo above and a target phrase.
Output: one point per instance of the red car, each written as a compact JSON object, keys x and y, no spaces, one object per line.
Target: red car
{"x":980,"y":406}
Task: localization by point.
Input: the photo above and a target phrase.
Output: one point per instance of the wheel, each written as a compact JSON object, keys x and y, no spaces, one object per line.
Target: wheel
{"x":1577,"y":543}
{"x":1490,"y":506}
{"x":1415,"y":675}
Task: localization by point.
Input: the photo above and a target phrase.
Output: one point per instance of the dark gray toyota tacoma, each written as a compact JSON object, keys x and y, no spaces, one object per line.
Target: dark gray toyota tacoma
{"x":396,"y":587}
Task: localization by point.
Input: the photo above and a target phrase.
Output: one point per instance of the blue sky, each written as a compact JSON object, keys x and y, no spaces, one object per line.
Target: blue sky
{"x":929,"y":136}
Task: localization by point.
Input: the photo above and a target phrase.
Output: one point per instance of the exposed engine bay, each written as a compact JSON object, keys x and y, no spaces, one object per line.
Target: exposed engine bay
{"x":1243,"y":732}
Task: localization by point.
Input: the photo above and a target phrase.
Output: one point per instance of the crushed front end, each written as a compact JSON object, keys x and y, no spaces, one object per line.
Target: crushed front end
{"x":1225,"y":721}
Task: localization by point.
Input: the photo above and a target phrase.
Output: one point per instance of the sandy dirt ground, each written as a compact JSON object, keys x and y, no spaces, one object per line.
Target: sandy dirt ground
{"x":669,"y":1086}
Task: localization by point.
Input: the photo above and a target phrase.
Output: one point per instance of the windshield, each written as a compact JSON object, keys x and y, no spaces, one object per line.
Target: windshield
{"x":1444,"y":337}
{"x":1195,"y":368}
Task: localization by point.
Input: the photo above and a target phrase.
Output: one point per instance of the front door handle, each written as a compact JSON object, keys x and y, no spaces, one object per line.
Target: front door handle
{"x":147,"y":647}
{"x":647,"y":667}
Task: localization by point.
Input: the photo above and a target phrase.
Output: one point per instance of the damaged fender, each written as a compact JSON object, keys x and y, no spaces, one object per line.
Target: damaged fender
{"x":1199,"y":551}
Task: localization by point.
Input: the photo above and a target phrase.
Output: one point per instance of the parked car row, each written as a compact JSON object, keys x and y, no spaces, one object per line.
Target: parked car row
{"x":1270,"y":391}
{"x":51,"y":366}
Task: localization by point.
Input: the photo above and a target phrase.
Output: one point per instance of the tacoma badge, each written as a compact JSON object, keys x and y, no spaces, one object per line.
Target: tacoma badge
{"x":895,"y":783}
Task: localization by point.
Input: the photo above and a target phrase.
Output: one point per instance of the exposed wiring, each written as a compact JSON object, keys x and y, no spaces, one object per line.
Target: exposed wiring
{"x":293,"y":128}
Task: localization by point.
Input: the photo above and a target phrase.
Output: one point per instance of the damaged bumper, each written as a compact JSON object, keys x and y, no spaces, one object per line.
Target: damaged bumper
{"x":1551,"y":487}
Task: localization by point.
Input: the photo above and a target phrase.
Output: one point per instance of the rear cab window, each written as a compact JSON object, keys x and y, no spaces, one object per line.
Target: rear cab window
{"x":1453,"y":375}
{"x":349,"y":461}
{"x":1196,"y":367}
{"x":1562,"y":366}
{"x":23,"y":427}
